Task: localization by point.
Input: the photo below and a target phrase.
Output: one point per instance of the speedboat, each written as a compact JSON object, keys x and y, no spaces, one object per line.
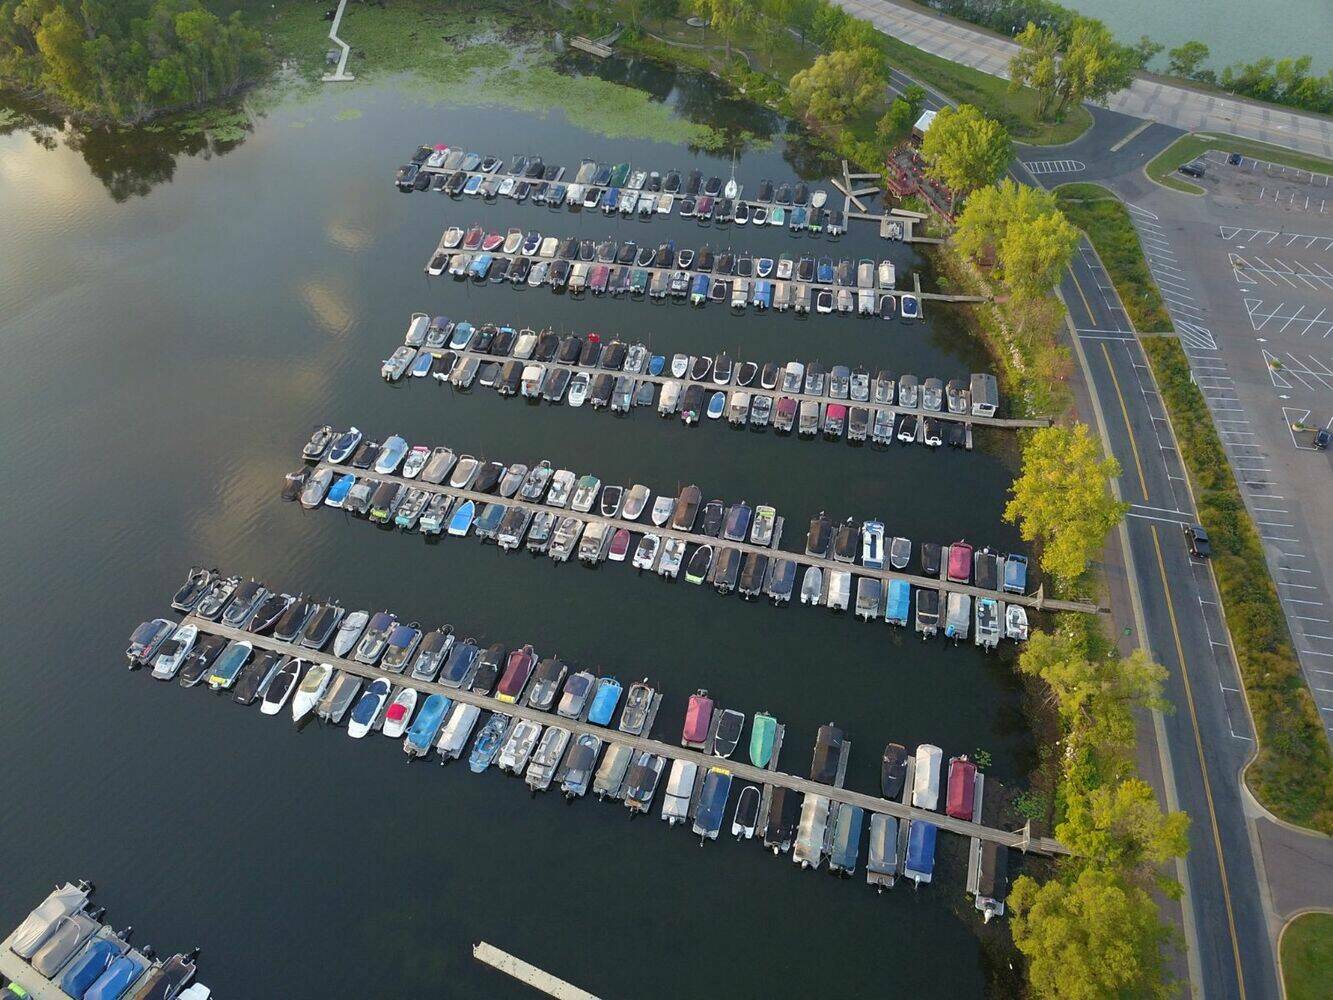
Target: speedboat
{"x":347,"y":636}
{"x":282,"y":686}
{"x":700,"y":562}
{"x":398,"y":715}
{"x":727,"y":734}
{"x":872,"y":545}
{"x":171,"y":653}
{"x":147,"y":639}
{"x":717,"y":404}
{"x":900,"y":553}
{"x":663,"y":507}
{"x":391,"y":455}
{"x":812,"y":585}
{"x":228,"y":666}
{"x":746,"y":817}
{"x":585,"y":493}
{"x":311,"y":689}
{"x":487,"y":743}
{"x":367,"y":708}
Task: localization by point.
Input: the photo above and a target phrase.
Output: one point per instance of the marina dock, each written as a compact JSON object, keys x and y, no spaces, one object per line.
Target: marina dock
{"x":741,"y":770}
{"x":827,"y":565}
{"x":530,"y":975}
{"x":970,"y":419}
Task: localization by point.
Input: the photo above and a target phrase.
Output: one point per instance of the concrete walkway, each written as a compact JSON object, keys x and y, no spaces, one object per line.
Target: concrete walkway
{"x":339,"y":75}
{"x":1173,"y":105}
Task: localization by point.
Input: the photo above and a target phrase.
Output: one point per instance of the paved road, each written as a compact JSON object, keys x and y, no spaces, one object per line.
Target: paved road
{"x":1205,"y":742}
{"x":1145,"y":98}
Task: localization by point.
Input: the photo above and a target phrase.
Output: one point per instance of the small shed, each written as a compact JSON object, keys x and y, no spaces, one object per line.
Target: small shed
{"x":922,"y":126}
{"x":985,"y":395}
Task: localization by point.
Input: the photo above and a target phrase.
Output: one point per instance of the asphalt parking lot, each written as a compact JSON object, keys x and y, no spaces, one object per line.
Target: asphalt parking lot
{"x":1247,"y":276}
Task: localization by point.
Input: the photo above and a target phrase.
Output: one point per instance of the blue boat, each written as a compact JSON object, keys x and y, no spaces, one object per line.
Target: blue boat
{"x":479,"y":267}
{"x":656,"y":364}
{"x":473,"y":184}
{"x":909,"y":306}
{"x":699,"y":290}
{"x":1015,"y":574}
{"x":920,"y":866}
{"x":461,"y":659}
{"x":604,"y":701}
{"x":368,"y":708}
{"x":487,"y":744}
{"x":461,"y":521}
{"x":899,"y":606}
{"x":712,"y":802}
{"x":763,"y":294}
{"x":610,"y":200}
{"x":337,"y":494}
{"x":421,"y":366}
{"x":462,"y":336}
{"x":427,"y":726}
{"x":851,"y":820}
{"x":118,"y":978}
{"x":799,"y":217}
{"x":717,"y":404}
{"x":824,"y":271}
{"x":95,"y":959}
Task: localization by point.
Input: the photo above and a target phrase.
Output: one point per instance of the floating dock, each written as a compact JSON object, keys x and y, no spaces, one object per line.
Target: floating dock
{"x":740,"y":770}
{"x":826,"y":565}
{"x":518,"y":969}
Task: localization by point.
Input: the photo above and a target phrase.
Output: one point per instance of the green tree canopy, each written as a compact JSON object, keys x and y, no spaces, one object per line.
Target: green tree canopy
{"x":1185,"y":59}
{"x":965,"y":150}
{"x":836,"y":84}
{"x":1030,"y":237}
{"x":1061,"y":498}
{"x":727,"y":17}
{"x":1122,"y":825}
{"x":1091,"y":936}
{"x":1083,"y":62}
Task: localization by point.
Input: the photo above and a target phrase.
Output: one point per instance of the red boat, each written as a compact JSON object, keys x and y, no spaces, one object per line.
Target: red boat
{"x":620,"y":544}
{"x":517,"y":671}
{"x":492,"y":242}
{"x":962,"y":785}
{"x":697,"y":719}
{"x":960,"y":563}
{"x":473,"y":238}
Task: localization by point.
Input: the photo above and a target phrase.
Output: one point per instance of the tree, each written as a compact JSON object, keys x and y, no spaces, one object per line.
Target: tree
{"x":836,"y":84}
{"x":1185,"y":60}
{"x":915,"y":95}
{"x":1122,"y":825}
{"x":1031,"y":239}
{"x":1084,"y":687}
{"x":727,"y":17}
{"x":1033,"y":256}
{"x":1084,"y":63}
{"x":1145,"y":50}
{"x":1061,"y":499}
{"x":965,"y":150}
{"x":895,"y":123}
{"x":1092,"y":936}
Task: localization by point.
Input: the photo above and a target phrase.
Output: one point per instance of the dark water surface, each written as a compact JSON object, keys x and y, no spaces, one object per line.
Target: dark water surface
{"x":162,"y":358}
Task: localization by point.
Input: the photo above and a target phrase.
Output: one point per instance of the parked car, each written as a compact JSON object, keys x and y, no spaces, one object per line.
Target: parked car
{"x":1234,"y":159}
{"x":1194,"y":168}
{"x":1321,"y":437}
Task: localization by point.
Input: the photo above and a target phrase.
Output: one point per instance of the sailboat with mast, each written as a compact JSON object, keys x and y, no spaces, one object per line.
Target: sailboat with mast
{"x":732,"y":189}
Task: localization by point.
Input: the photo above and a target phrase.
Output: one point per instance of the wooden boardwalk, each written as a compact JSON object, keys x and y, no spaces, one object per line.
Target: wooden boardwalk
{"x":1037,"y":600}
{"x":1007,"y":423}
{"x":739,"y":768}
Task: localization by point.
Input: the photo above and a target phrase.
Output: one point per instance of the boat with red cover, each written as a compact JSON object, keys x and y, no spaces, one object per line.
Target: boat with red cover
{"x":517,"y":671}
{"x":698,"y":717}
{"x":962,"y":784}
{"x":960,"y":563}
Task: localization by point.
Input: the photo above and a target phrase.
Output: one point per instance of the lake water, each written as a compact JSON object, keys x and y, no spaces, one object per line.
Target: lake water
{"x":1233,"y":32}
{"x":163,"y":355}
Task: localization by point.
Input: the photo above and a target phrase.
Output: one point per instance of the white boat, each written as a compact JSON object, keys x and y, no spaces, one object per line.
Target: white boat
{"x":578,"y":389}
{"x":546,"y":758}
{"x":367,"y":708}
{"x":173,"y":652}
{"x":680,"y":787}
{"x":1016,"y":622}
{"x":662,"y":508}
{"x":670,"y":398}
{"x":562,"y":484}
{"x":457,"y":728}
{"x":281,"y":687}
{"x":926,"y":781}
{"x":680,"y":364}
{"x":673,"y":554}
{"x":646,"y":553}
{"x":399,"y":714}
{"x":808,"y":850}
{"x":818,"y":197}
{"x":635,"y":501}
{"x":812,"y":585}
{"x":888,"y":275}
{"x":311,"y":690}
{"x":516,"y":750}
{"x":745,"y":817}
{"x":839,"y":589}
{"x":872,"y":545}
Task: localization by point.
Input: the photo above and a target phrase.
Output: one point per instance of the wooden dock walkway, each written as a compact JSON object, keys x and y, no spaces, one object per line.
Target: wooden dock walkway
{"x":518,"y":969}
{"x":740,"y":769}
{"x":1037,"y":600}
{"x":1006,"y":423}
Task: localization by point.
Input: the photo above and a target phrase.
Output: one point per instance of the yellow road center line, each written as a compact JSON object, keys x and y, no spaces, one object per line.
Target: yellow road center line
{"x":1129,"y":430}
{"x":1198,"y":742}
{"x":1092,"y":320}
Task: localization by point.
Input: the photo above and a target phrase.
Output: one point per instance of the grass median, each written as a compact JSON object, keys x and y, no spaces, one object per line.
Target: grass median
{"x":1162,"y":168}
{"x":1103,"y":216}
{"x":1292,"y":774}
{"x":1307,"y":956}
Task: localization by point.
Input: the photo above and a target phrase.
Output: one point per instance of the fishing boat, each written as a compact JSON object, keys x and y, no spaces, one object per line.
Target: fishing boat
{"x":311,"y":689}
{"x":730,"y":725}
{"x":698,"y":721}
{"x":919,"y":865}
{"x":763,"y":733}
{"x":926,"y":781}
{"x":679,"y":790}
{"x":487,"y":743}
{"x":712,"y":803}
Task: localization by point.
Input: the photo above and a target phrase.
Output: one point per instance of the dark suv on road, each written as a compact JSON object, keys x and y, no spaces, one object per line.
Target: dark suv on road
{"x":1197,"y":540}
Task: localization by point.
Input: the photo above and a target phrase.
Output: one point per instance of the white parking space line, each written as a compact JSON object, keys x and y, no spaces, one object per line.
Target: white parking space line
{"x":1304,"y":241}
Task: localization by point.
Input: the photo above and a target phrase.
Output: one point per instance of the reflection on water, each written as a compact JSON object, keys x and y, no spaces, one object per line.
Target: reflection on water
{"x":129,"y":162}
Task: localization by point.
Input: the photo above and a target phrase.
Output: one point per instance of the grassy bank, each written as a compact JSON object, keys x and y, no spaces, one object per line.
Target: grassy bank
{"x":1292,"y":775}
{"x":1101,"y":215}
{"x":1162,"y":168}
{"x":1307,"y":956}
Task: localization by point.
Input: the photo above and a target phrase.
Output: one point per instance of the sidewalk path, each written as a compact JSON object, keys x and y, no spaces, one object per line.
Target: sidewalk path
{"x":1181,"y":107}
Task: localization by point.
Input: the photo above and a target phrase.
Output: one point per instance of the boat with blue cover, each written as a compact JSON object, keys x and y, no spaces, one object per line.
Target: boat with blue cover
{"x":920,"y":864}
{"x":367,"y":709}
{"x":716,"y":404}
{"x":91,"y":963}
{"x":461,"y":521}
{"x":422,"y":734}
{"x":604,"y":701}
{"x":1015,"y":574}
{"x":712,"y":802}
{"x":898,"y":607}
{"x":762,"y":734}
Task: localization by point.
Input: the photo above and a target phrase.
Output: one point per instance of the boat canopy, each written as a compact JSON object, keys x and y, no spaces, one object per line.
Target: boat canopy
{"x":960,"y":562}
{"x":962,"y":784}
{"x":921,"y":850}
{"x":883,"y":858}
{"x":697,"y":718}
{"x":828,"y":753}
{"x":762,"y":734}
{"x":899,"y":603}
